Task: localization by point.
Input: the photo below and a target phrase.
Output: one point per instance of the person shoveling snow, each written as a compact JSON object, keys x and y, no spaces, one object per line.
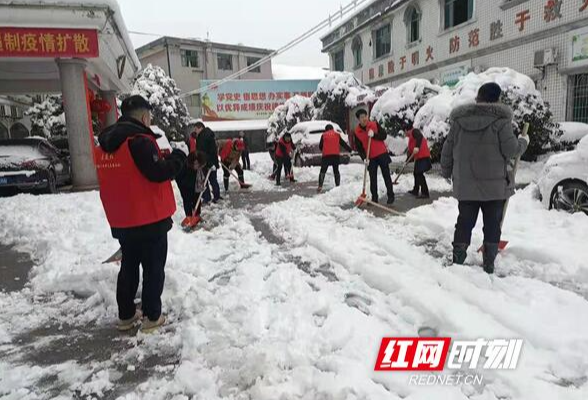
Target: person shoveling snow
{"x":476,"y":154}
{"x":137,"y":196}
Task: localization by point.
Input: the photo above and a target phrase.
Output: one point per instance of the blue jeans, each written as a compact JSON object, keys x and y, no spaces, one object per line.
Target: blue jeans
{"x":215,"y":188}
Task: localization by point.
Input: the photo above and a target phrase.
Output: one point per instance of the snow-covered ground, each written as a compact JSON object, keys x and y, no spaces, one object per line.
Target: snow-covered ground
{"x":290,"y":300}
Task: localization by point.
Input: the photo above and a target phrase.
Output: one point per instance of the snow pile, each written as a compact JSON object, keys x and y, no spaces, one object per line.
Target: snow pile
{"x":169,"y":112}
{"x":296,"y":109}
{"x":573,"y":131}
{"x":48,"y":117}
{"x":396,"y":109}
{"x":289,"y":72}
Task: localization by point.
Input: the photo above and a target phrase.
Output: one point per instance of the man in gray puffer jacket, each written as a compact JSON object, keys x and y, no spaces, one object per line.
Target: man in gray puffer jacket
{"x":478,"y":154}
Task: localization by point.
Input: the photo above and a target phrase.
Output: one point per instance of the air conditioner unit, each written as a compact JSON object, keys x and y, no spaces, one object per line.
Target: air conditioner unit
{"x":545,"y":57}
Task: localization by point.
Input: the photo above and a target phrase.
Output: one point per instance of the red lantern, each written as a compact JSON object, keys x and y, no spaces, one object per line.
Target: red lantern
{"x":100,"y":106}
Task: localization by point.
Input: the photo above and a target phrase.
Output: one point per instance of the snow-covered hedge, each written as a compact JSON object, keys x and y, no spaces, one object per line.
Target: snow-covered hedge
{"x":338,"y":92}
{"x":170,"y":112}
{"x":48,"y":117}
{"x":519,"y":93}
{"x":396,"y":109}
{"x":296,"y":109}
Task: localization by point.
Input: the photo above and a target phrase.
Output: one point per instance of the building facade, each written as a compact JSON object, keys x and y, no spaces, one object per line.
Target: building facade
{"x":190,"y":61}
{"x":391,"y":41}
{"x":13,"y":123}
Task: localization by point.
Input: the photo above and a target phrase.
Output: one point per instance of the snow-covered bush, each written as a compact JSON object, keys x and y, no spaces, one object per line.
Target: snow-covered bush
{"x":396,"y":109}
{"x":338,"y":92}
{"x":296,"y":109}
{"x":519,"y":93}
{"x":48,"y":117}
{"x":170,"y":112}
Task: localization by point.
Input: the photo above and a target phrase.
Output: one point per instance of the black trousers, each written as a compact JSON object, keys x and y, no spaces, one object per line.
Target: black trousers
{"x":330,"y":161}
{"x":227,"y":175}
{"x":189,"y":198}
{"x":420,"y":184}
{"x":286,"y":162}
{"x":468,"y":215}
{"x":382,"y":162}
{"x":272,"y":154}
{"x":246,"y":160}
{"x":151,"y":254}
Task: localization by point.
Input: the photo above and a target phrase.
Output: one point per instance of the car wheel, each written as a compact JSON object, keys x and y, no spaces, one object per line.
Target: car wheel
{"x":298,"y":161}
{"x":51,"y":183}
{"x":571,"y":197}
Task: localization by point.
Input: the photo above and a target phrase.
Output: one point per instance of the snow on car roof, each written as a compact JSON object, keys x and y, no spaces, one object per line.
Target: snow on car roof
{"x":315,"y":125}
{"x":573,"y":131}
{"x":16,"y":153}
{"x":239,"y":125}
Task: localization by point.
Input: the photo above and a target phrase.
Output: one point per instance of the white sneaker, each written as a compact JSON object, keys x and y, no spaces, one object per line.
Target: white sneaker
{"x":149,"y":326}
{"x":128,"y":324}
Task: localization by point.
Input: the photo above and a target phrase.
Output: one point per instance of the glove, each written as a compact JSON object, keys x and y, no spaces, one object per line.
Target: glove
{"x":415,"y":151}
{"x":525,"y":138}
{"x":371,"y":133}
{"x":213,"y":168}
{"x":181,"y":146}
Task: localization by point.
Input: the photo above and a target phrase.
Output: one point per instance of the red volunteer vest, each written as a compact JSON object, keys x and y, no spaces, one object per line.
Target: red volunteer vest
{"x":424,"y":151}
{"x":226,"y":150}
{"x":129,"y":199}
{"x":192,"y":144}
{"x":378,"y":147}
{"x":288,"y":146}
{"x":331,"y":143}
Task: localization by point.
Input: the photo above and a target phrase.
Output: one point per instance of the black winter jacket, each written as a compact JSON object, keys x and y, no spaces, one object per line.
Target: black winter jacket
{"x":206,"y":143}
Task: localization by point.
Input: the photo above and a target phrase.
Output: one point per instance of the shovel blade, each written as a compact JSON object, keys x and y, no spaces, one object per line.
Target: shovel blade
{"x":191,"y":222}
{"x":245,"y":185}
{"x":360,"y":200}
{"x":501,"y":246}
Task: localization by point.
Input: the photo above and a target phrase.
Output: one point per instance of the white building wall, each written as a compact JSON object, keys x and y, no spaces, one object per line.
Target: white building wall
{"x":515,"y":49}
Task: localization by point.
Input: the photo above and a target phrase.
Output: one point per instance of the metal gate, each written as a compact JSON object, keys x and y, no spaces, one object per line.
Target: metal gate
{"x":579,"y":84}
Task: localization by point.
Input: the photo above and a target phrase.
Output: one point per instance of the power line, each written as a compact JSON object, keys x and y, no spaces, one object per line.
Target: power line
{"x":321,"y":25}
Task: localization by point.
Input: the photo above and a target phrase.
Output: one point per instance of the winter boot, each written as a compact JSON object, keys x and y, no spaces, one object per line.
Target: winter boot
{"x":124,"y":325}
{"x":460,"y":252}
{"x":391,"y":199}
{"x":149,"y":326}
{"x":489,"y":254}
{"x":414,"y":192}
{"x":321,"y":180}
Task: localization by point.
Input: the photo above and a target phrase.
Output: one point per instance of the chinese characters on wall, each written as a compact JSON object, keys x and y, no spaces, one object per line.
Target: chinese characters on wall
{"x":41,"y":42}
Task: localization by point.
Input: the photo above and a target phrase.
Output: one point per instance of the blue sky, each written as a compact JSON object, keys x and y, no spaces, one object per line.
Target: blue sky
{"x":259,"y":23}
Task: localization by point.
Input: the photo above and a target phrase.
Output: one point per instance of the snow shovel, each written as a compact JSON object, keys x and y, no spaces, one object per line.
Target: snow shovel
{"x":402,"y":170}
{"x":191,"y":221}
{"x":116,"y":257}
{"x":243,"y":185}
{"x":503,"y":243}
{"x":363,"y":196}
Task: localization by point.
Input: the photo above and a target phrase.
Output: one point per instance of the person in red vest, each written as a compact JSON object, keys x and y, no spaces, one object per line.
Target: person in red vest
{"x":378,"y":156}
{"x":137,"y":196}
{"x":230,"y":154}
{"x":418,"y":151}
{"x":284,"y":150}
{"x":330,"y":145}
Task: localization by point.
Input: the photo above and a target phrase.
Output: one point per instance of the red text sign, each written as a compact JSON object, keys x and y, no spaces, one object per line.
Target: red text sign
{"x":48,"y":42}
{"x":412,"y":354}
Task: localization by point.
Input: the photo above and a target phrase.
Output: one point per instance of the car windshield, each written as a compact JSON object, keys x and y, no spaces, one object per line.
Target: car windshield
{"x":17,"y":153}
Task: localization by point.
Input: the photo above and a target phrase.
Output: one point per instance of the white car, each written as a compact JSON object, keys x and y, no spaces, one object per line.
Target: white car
{"x":307,"y":136}
{"x":563,"y":184}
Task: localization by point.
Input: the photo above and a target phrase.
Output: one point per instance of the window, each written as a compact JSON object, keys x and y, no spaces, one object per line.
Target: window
{"x":457,"y":12}
{"x":225,"y":62}
{"x":193,"y":100}
{"x":357,"y":48}
{"x":13,"y":112}
{"x":189,"y":58}
{"x":412,"y":19}
{"x":579,"y":98}
{"x":2,"y":111}
{"x":339,"y":61}
{"x":383,"y":39}
{"x":251,"y":61}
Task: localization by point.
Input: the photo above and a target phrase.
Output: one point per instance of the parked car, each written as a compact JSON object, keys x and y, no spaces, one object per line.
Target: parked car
{"x":33,"y":164}
{"x":563,"y":183}
{"x":307,"y":136}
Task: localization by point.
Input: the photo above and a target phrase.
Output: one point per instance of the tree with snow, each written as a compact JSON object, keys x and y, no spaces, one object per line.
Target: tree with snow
{"x":296,"y":109}
{"x":396,"y":109}
{"x":518,"y":91}
{"x":48,"y":117}
{"x":338,"y":92}
{"x":169,"y":112}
